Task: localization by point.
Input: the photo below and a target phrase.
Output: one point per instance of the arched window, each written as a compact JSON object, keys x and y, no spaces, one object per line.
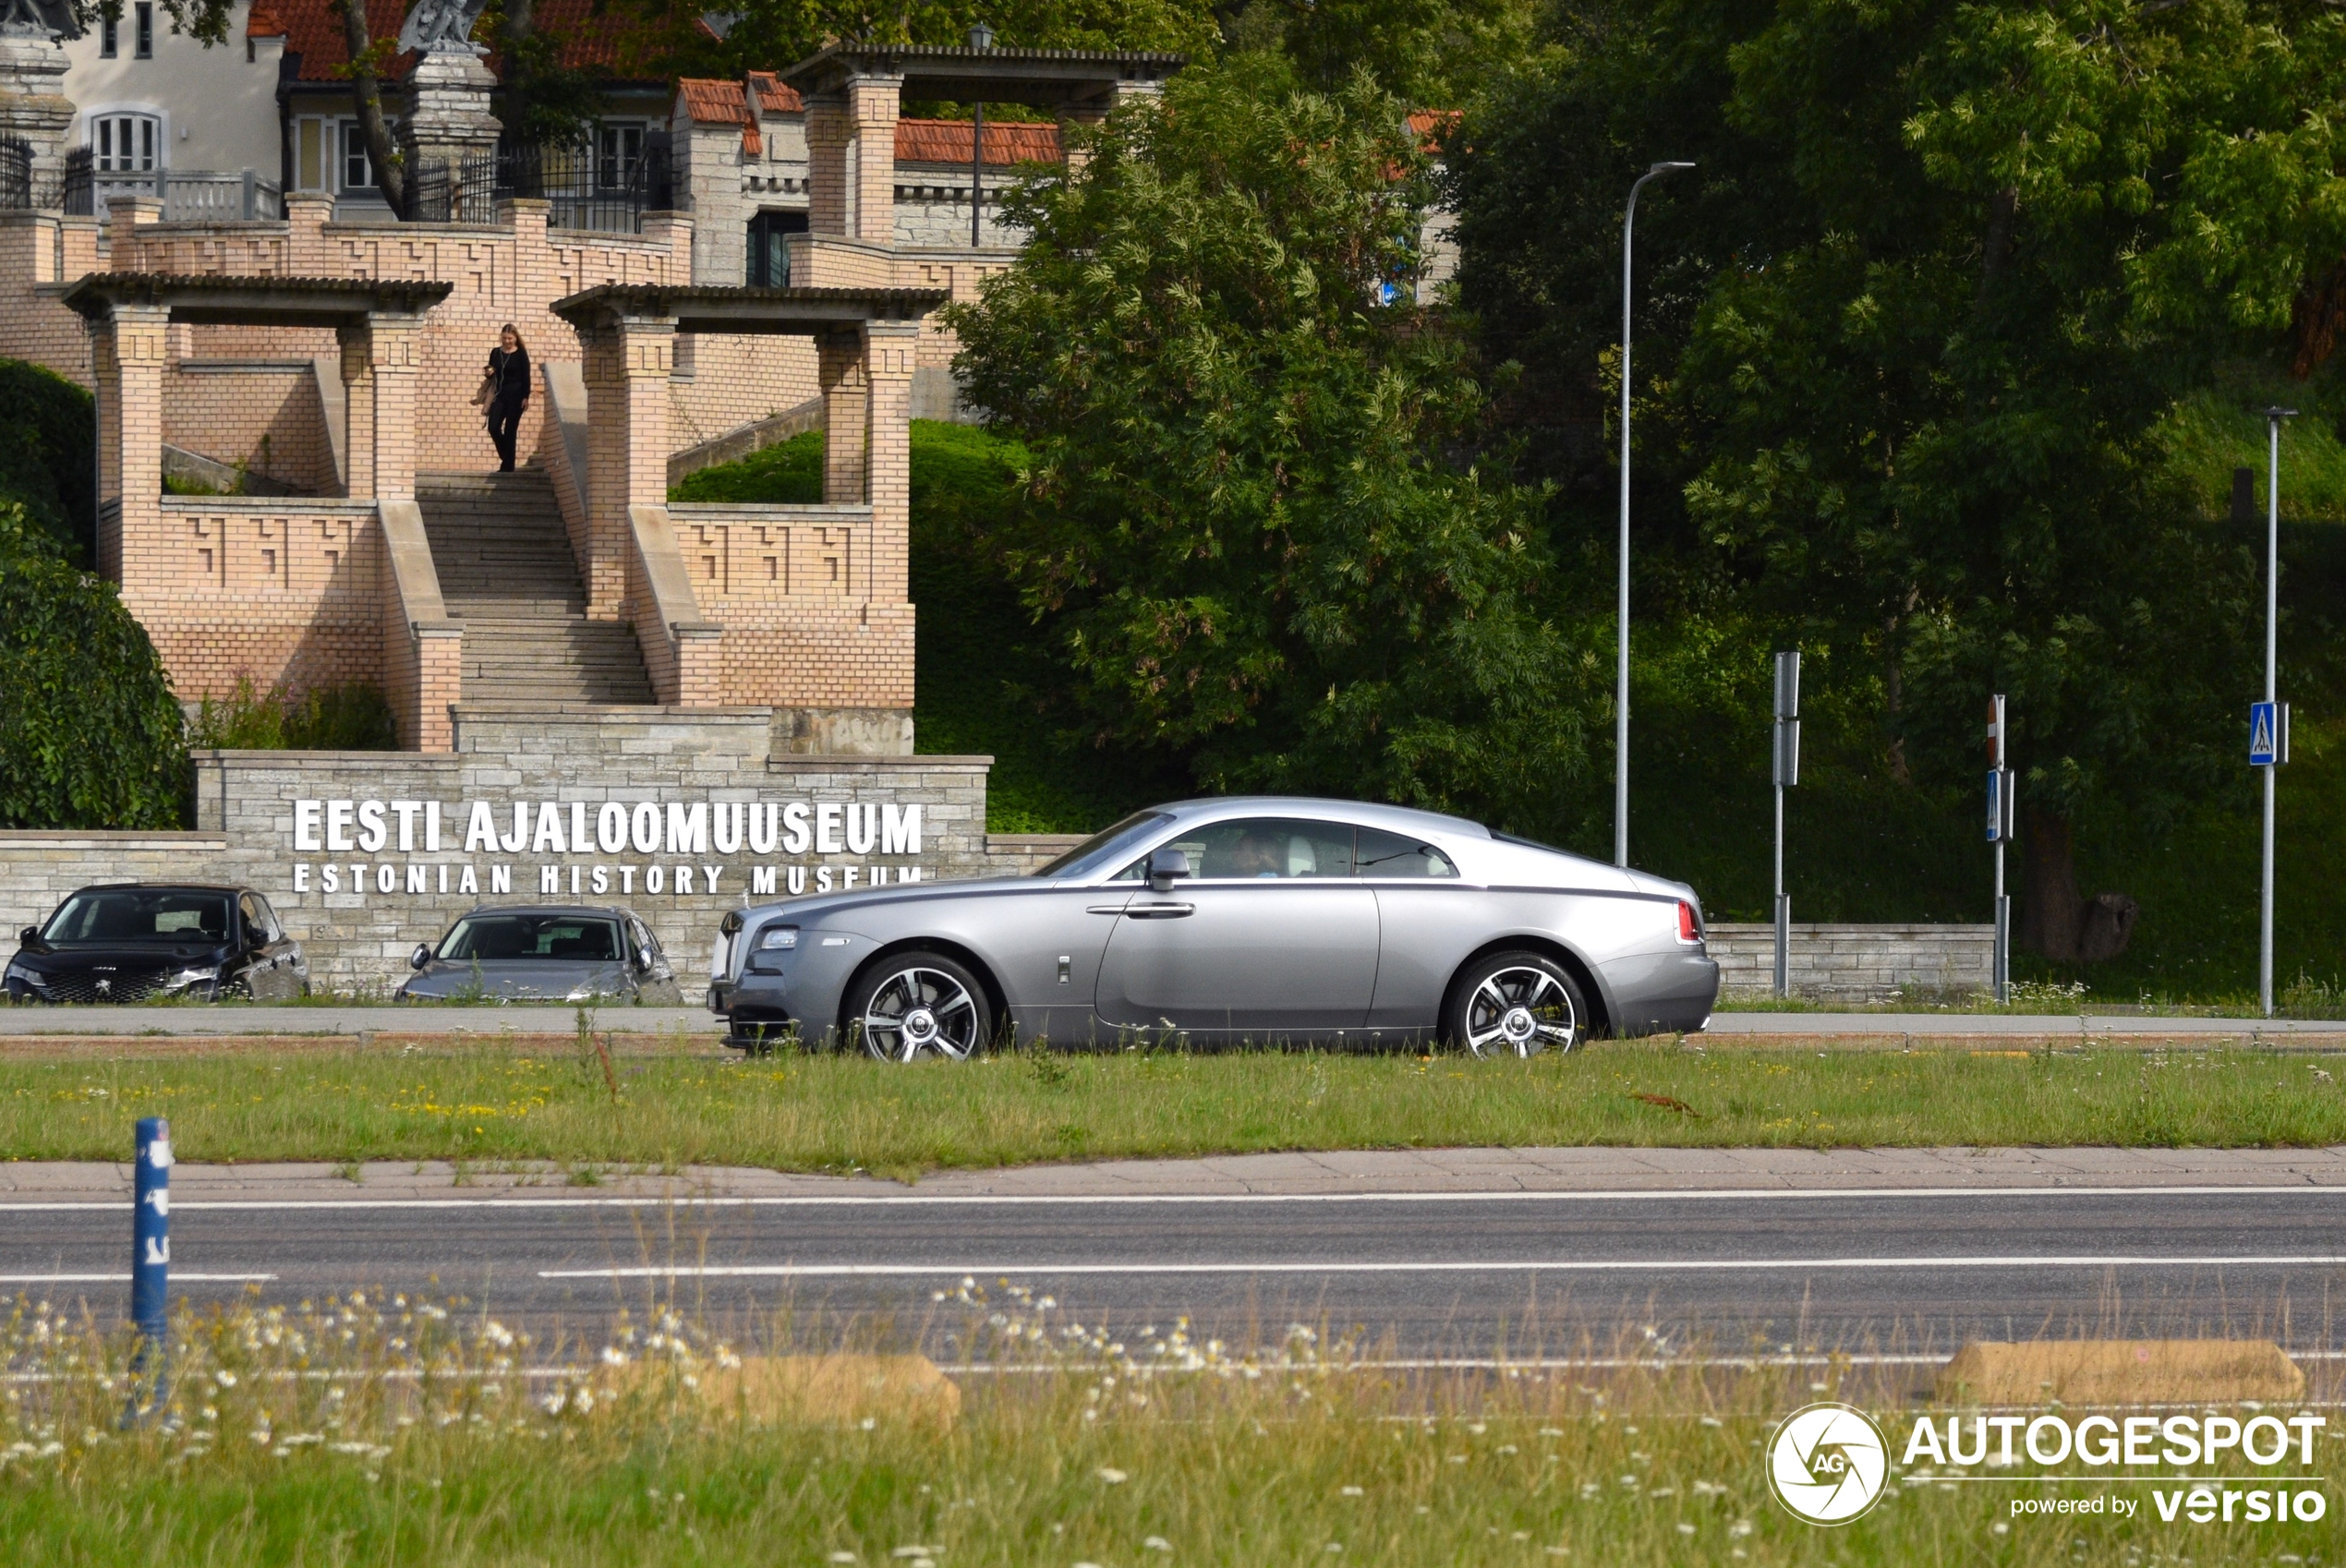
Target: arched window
{"x":126,"y":142}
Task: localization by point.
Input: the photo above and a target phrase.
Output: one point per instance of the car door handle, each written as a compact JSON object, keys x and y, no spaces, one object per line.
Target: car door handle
{"x":1161,"y":912}
{"x":1105,"y":908}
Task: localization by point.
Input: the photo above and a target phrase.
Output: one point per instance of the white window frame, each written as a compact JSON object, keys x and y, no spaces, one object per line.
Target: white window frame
{"x":142,"y":29}
{"x":93,"y":114}
{"x":613,"y":171}
{"x":350,"y":141}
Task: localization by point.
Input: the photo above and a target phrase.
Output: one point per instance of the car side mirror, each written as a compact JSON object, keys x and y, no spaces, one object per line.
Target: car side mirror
{"x":29,"y":935}
{"x":420,"y":957}
{"x":643,"y":961}
{"x":1166,"y":866}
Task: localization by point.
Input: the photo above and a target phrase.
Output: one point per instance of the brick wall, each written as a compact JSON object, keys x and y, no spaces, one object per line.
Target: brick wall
{"x":1857,"y":963}
{"x":276,"y":589}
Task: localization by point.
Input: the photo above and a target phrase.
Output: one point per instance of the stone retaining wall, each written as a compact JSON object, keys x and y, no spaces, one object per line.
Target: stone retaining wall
{"x":367,"y":853}
{"x":1854,"y":963}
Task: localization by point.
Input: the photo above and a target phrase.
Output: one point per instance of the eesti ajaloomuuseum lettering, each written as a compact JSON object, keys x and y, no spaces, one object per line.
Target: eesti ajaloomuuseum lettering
{"x":655,"y":847}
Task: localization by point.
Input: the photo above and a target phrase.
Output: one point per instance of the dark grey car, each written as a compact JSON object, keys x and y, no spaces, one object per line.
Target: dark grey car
{"x":544,"y":952}
{"x":1263,"y":918}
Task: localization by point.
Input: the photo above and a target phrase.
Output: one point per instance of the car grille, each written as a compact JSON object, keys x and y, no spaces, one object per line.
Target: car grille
{"x":122,"y":985}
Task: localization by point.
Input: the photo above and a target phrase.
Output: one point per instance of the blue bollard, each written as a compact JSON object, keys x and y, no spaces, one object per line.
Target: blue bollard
{"x":150,"y":1235}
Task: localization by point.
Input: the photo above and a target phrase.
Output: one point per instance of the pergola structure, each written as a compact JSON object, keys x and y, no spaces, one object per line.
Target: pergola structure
{"x":269,"y":587}
{"x":853,"y":92}
{"x":719,"y":645}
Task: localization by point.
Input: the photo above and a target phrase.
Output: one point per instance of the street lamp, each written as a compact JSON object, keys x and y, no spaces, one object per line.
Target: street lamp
{"x":2277,"y":736}
{"x":981,"y":37}
{"x":1621,"y":695}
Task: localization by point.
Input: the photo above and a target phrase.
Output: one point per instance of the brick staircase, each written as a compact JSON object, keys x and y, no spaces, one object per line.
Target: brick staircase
{"x":507,"y":573}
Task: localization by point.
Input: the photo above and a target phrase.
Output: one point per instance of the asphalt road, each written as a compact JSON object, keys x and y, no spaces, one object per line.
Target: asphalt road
{"x":1416,"y":1274}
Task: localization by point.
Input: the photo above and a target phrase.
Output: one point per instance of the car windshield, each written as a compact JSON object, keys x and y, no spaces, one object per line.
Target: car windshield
{"x":1103,"y":848}
{"x":492,"y":938}
{"x":177,"y":916}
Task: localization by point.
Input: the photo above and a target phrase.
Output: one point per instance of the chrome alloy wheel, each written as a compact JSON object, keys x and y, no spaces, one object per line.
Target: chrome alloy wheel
{"x":1523,"y":1011}
{"x":917,"y":1010}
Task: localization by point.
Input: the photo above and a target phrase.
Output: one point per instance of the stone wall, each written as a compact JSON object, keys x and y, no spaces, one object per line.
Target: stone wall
{"x":1857,"y":963}
{"x":663,"y":775}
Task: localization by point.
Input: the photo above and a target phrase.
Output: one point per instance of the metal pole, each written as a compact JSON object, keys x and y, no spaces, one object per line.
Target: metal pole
{"x":1621,"y":683}
{"x":2002,"y":977}
{"x":977,"y":171}
{"x":2273,"y":417}
{"x":1783,"y":921}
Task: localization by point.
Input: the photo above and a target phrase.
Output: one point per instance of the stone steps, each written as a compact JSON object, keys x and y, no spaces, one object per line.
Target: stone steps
{"x":507,"y":573}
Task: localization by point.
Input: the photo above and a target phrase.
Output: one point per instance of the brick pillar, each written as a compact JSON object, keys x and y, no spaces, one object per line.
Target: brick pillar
{"x":839,"y":367}
{"x":394,"y":356}
{"x":626,"y":372}
{"x":889,"y":350}
{"x":307,"y":214}
{"x":133,"y":353}
{"x":829,"y":202}
{"x":358,"y":411}
{"x":872,"y":104}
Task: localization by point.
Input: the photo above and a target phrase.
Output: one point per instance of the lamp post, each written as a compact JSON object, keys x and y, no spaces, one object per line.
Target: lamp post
{"x":1621,"y":693}
{"x":981,"y":37}
{"x":2277,"y":736}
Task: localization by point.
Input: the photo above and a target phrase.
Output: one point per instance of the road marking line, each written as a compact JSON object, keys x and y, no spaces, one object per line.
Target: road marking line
{"x":1496,"y":1266}
{"x":176,"y":1278}
{"x":1021,"y":1200}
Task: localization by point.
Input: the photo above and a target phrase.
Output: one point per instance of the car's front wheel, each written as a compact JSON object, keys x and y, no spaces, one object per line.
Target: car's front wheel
{"x":1515,"y":1004}
{"x":918,"y":1003}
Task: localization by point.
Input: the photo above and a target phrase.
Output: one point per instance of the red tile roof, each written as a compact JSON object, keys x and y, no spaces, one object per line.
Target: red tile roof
{"x":775,"y":96}
{"x":591,"y":36}
{"x":947,"y":141}
{"x":261,"y":22}
{"x":713,"y":103}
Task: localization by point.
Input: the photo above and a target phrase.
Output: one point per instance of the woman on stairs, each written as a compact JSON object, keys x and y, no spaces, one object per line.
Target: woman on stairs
{"x":505,"y":389}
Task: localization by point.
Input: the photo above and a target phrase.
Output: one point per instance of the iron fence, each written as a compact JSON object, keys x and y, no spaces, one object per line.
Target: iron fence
{"x":584,"y":189}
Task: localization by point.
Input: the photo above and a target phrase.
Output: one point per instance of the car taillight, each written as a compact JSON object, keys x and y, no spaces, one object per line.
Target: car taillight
{"x":1690,"y":930}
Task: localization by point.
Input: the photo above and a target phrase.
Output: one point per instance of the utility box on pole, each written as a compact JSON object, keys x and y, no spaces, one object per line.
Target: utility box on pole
{"x":1788,"y":774}
{"x":2002,"y":817}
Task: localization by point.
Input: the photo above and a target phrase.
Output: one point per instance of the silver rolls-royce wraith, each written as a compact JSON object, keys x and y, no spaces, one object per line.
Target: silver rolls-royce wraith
{"x":1268,"y":918}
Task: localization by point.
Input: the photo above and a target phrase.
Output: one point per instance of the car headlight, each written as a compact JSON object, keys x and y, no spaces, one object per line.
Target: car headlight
{"x":777,"y":938}
{"x":187,"y":977}
{"x":18,"y":971}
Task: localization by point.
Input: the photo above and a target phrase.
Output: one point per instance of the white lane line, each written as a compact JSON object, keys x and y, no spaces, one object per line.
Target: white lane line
{"x":1442,"y":1266}
{"x":177,"y":1277}
{"x":1086,"y":1200}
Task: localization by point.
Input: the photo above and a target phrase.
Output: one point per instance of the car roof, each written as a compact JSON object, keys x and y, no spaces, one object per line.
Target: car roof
{"x":1400,"y":819}
{"x":229,"y":887}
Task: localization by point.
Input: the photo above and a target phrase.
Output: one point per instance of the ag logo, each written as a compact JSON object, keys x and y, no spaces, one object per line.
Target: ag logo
{"x":1827,"y":1462}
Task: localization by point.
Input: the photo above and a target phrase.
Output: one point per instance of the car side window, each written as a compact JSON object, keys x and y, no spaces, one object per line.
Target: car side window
{"x":270,"y":927}
{"x":256,"y":926}
{"x":1270,"y":848}
{"x":1386,"y":854}
{"x":645,"y":939}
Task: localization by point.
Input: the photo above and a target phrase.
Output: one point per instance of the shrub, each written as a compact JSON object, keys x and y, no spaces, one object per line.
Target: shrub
{"x":89,"y":732}
{"x":350,"y":717}
{"x":48,"y":432}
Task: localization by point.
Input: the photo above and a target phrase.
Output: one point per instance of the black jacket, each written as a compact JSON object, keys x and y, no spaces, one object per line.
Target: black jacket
{"x":512,"y":371}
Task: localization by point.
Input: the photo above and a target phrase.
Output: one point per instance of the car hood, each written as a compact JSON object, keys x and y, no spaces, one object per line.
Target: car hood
{"x":139,"y":956}
{"x":516,"y":979}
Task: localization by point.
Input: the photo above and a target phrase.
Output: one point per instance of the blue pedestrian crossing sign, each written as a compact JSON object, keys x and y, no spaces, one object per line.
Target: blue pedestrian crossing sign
{"x":2267,"y":734}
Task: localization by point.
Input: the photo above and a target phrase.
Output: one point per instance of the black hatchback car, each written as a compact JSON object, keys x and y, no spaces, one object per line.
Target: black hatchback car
{"x":137,"y":942}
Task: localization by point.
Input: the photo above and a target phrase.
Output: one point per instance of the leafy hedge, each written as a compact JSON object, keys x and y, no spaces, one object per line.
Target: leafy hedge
{"x":89,"y":732}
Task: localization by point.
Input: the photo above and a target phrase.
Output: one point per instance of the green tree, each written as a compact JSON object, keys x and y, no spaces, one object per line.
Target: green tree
{"x":1243,"y":532}
{"x":1949,"y":268}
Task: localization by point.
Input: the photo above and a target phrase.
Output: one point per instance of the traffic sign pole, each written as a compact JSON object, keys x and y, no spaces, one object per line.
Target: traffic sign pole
{"x":2002,"y":818}
{"x":2275,"y":718}
{"x":150,"y":1254}
{"x":1788,"y":774}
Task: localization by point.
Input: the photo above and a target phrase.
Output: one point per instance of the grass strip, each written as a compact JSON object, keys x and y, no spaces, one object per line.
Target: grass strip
{"x":385,"y":1430}
{"x":684,"y":1105}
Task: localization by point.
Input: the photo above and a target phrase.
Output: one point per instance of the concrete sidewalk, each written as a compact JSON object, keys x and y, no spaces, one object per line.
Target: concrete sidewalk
{"x":697,"y":1023}
{"x":1415,"y":1171}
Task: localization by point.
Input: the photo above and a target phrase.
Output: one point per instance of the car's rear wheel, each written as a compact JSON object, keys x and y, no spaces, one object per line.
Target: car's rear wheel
{"x":1515,"y":1004}
{"x":919,"y":1003}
